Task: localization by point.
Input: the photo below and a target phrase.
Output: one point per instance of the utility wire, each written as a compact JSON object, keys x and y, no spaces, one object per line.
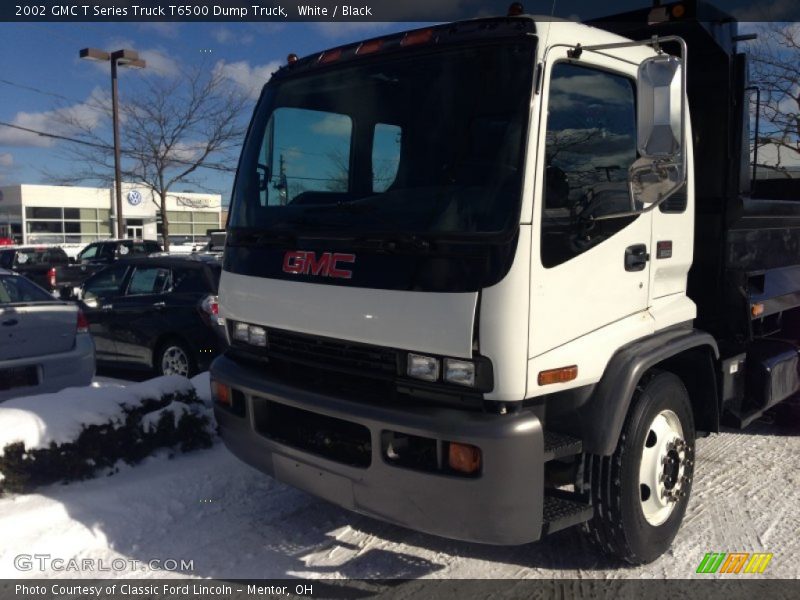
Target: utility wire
{"x":111,"y":148}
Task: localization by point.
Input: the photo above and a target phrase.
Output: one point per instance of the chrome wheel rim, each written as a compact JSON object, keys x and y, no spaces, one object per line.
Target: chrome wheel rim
{"x":663,"y":475}
{"x":174,"y":361}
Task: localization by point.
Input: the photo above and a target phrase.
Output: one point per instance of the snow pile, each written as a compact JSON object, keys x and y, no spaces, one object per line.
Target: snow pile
{"x":202,"y":385}
{"x":60,"y":417}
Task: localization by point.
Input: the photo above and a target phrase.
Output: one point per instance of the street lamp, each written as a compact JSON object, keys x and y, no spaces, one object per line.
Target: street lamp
{"x":123,"y":58}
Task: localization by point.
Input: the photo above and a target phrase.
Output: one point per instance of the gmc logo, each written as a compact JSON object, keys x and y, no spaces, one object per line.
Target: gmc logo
{"x":303,"y":262}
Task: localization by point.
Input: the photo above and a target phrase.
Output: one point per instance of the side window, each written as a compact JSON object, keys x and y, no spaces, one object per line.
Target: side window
{"x":188,"y":281}
{"x":590,"y":143}
{"x":386,"y":142}
{"x":88,"y":252}
{"x":107,"y":282}
{"x":149,"y":280}
{"x":305,"y":157}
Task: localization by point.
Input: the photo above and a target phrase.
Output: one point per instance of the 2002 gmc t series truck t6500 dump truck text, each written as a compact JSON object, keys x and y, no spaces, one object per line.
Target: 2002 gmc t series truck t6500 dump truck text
{"x":491,"y":279}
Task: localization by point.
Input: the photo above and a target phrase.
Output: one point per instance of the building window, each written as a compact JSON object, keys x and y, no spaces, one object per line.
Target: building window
{"x":55,"y":225}
{"x":189,"y":226}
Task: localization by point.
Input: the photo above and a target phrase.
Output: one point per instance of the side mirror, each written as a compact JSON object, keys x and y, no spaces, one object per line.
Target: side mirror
{"x":661,"y":169}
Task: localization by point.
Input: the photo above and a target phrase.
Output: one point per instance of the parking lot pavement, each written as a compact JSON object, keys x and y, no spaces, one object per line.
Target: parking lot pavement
{"x":233,"y":522}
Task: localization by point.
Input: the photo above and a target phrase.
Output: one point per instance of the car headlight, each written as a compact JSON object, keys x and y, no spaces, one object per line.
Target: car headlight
{"x":423,"y":367}
{"x":461,"y":372}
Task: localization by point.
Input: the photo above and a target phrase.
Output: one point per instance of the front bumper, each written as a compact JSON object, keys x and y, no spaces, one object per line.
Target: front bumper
{"x":501,"y":506}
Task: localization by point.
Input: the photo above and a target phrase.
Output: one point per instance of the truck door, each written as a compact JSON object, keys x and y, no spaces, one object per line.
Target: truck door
{"x":586,"y":274}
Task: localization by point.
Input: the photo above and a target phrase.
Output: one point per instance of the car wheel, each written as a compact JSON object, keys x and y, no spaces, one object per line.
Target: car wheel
{"x":640,"y":493}
{"x":174,"y":358}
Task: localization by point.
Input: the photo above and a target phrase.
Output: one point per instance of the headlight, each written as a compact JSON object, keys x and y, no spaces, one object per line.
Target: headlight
{"x":423,"y":367}
{"x":250,"y":334}
{"x":461,"y":372}
{"x":258,"y":336}
{"x":241,"y":332}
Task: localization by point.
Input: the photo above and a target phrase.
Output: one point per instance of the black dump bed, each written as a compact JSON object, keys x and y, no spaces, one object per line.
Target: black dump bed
{"x":747,"y":238}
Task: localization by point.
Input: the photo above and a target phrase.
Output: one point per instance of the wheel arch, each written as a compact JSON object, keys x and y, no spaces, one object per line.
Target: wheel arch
{"x":686,"y":352}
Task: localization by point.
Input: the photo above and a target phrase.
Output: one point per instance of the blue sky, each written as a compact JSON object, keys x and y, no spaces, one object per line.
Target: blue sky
{"x":44,"y":56}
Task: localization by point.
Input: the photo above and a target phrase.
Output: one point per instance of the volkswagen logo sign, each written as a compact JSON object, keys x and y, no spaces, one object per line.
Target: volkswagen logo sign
{"x":134,"y":198}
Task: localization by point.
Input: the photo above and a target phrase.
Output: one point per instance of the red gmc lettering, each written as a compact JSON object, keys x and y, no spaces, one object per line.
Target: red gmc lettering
{"x":302,"y":262}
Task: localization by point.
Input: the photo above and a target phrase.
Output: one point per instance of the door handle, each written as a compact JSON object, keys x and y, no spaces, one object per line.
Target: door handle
{"x":161,"y":304}
{"x":636,"y":257}
{"x":10,"y":322}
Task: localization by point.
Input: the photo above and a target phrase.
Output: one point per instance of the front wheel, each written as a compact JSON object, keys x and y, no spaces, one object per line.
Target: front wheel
{"x":640,"y":492}
{"x":174,"y":358}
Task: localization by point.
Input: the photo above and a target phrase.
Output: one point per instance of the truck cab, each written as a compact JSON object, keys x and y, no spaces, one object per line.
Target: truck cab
{"x":455,"y":284}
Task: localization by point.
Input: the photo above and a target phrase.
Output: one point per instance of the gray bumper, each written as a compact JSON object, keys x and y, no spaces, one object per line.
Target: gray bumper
{"x":501,"y":506}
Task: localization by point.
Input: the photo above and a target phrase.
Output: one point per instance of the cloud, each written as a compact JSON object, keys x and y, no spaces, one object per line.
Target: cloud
{"x":250,"y":79}
{"x":6,"y":160}
{"x":222,"y":34}
{"x":166,"y":29}
{"x":87,"y":115}
{"x":332,"y":125}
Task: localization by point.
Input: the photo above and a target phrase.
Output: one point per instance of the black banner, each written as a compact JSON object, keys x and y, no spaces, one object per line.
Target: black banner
{"x":368,"y":10}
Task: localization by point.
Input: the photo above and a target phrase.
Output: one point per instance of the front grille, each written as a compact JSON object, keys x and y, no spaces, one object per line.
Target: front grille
{"x":332,"y":354}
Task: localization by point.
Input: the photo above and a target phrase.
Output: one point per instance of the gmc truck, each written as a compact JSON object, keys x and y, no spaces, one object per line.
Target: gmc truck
{"x":492,"y":279}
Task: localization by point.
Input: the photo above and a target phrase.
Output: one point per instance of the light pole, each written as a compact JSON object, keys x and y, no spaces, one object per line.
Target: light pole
{"x":124,"y":58}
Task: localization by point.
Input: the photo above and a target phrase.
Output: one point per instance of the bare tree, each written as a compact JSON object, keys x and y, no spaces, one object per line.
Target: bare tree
{"x":169,"y":130}
{"x":774,"y":59}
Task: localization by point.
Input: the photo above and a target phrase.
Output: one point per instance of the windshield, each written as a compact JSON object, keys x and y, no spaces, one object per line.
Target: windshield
{"x":420,"y":143}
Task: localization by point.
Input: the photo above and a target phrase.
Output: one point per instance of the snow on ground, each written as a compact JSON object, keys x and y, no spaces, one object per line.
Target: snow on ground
{"x":234,"y":522}
{"x":61,"y":416}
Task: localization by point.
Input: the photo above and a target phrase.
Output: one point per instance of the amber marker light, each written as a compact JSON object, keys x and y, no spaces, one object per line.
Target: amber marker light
{"x":221,"y":393}
{"x":420,"y":36}
{"x":757,"y":309}
{"x":464,"y":458}
{"x":560,"y":375}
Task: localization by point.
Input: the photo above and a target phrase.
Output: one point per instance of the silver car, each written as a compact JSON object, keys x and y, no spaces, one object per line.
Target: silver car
{"x":45,"y":343}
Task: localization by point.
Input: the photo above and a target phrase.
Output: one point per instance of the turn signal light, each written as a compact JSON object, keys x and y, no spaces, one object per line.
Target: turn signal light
{"x":757,"y":309}
{"x":464,"y":458}
{"x":221,"y":393}
{"x":560,"y":375}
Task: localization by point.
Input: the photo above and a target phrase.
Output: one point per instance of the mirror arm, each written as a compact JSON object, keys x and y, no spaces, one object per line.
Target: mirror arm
{"x":635,"y":213}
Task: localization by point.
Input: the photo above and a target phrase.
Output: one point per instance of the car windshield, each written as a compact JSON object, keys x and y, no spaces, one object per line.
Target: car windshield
{"x":428,"y":143}
{"x":15,"y":289}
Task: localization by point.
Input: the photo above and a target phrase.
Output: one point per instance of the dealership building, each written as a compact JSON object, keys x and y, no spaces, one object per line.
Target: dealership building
{"x":49,"y":214}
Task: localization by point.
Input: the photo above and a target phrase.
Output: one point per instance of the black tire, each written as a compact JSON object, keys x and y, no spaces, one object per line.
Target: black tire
{"x":619,"y":526}
{"x":174,"y":347}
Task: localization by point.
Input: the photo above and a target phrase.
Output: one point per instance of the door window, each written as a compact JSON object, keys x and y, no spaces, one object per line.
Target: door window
{"x":149,"y":280}
{"x":107,"y":282}
{"x":590,"y":143}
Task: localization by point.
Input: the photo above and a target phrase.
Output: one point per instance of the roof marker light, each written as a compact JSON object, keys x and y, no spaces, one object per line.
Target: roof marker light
{"x":291,"y":59}
{"x":420,"y":36}
{"x":515,"y":9}
{"x":330,"y":56}
{"x":369,"y":47}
